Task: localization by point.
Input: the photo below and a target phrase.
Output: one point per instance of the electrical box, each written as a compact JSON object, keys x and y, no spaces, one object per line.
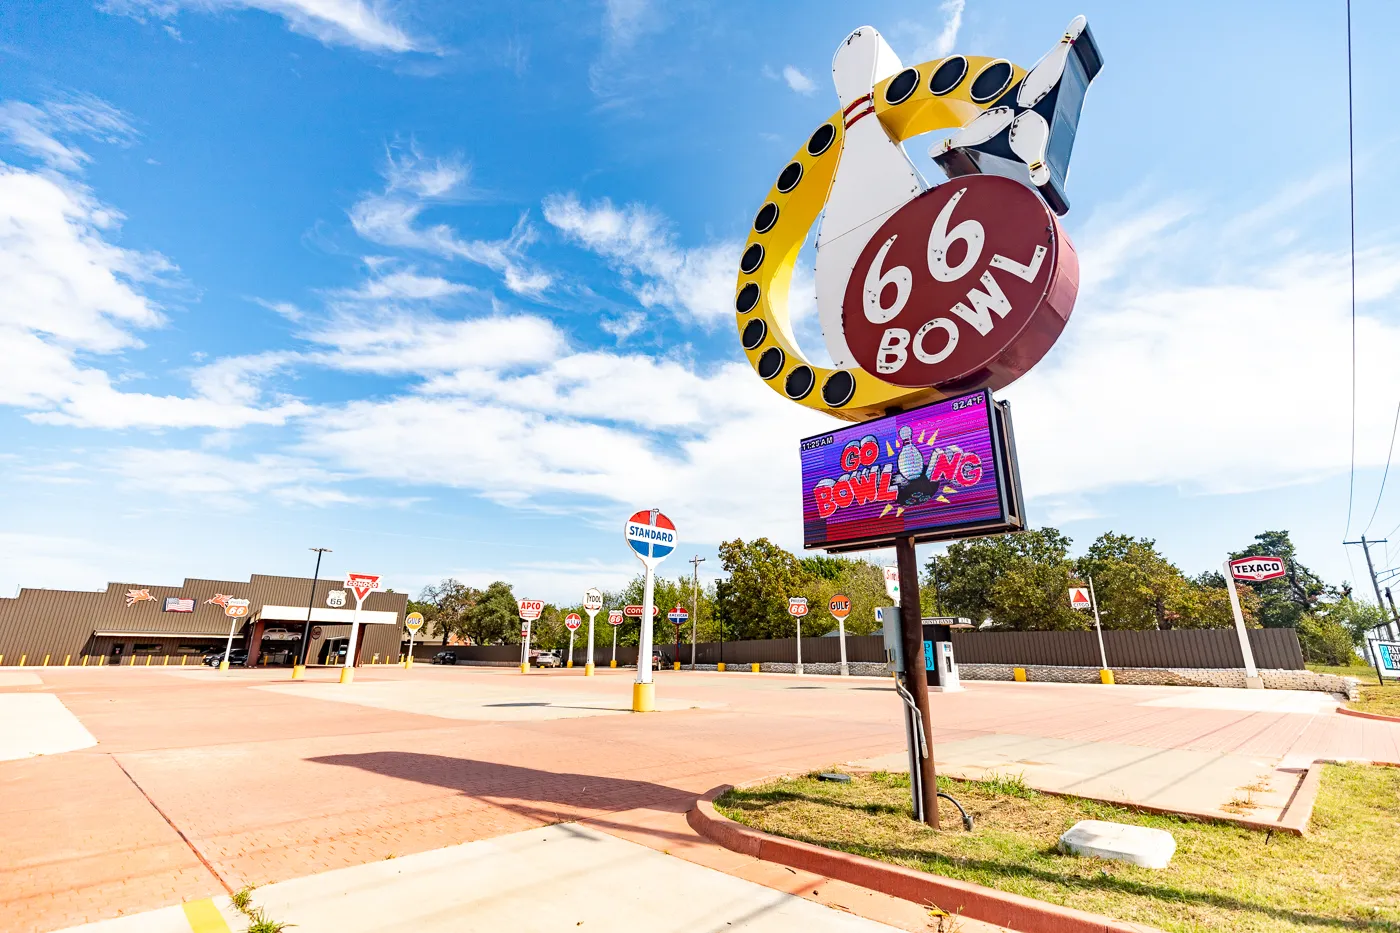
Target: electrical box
{"x":888,"y":618}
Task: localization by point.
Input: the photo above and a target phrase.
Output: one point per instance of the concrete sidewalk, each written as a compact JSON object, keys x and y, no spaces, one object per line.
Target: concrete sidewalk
{"x":38,"y":724}
{"x":562,"y":877}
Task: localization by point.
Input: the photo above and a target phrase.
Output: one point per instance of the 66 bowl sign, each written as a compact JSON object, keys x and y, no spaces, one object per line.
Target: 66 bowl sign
{"x":969,"y":283}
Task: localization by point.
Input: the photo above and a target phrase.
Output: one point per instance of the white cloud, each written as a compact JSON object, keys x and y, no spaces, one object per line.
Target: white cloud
{"x":405,"y":285}
{"x":798,"y":81}
{"x":624,"y":325}
{"x":413,"y":183}
{"x":1192,"y":361}
{"x":932,"y":45}
{"x":228,"y":482}
{"x":624,"y":19}
{"x":403,"y":342}
{"x":334,"y":22}
{"x":696,"y":283}
{"x":35,"y":130}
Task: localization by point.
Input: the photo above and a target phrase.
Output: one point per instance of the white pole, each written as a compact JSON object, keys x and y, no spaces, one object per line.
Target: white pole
{"x":588,"y":665}
{"x":799,"y":645}
{"x":408,"y":661}
{"x":644,"y":641}
{"x":571,"y":648}
{"x":525,"y":649}
{"x":1251,"y":673}
{"x":347,"y":671}
{"x":841,"y":629}
{"x":614,"y":656}
{"x":694,"y":607}
{"x":1098,"y":627}
{"x":232,"y":624}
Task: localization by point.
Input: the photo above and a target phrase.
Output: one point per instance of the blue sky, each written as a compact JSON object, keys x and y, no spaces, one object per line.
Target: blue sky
{"x":447,"y":288}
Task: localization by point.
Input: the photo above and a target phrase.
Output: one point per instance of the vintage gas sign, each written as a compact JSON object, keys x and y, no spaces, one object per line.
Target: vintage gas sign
{"x":839,"y":606}
{"x":1258,"y":569}
{"x":1079,"y":598}
{"x":922,"y":292}
{"x":651,"y":535}
{"x":797,"y":606}
{"x":615,"y":616}
{"x":530,"y":609}
{"x":678,"y":615}
{"x":572,"y":621}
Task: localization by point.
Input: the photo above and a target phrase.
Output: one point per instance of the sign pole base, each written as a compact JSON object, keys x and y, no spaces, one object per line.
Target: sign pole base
{"x":614,"y":663}
{"x":223,"y":665}
{"x":588,"y":669}
{"x":347,"y":675}
{"x":298,"y":671}
{"x":720,"y":667}
{"x":1105,"y":676}
{"x":1254,"y":683}
{"x":524,"y":668}
{"x":643,"y":698}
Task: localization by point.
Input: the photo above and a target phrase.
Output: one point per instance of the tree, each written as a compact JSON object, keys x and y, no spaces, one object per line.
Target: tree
{"x":1283,"y":601}
{"x":1204,"y":602}
{"x":1358,"y":618}
{"x":1133,"y":583}
{"x":493,"y":617}
{"x":445,"y":607}
{"x":762,"y":575}
{"x":1020,"y":580}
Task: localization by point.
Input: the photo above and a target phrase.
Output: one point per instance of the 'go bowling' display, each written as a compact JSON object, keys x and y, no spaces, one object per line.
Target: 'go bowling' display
{"x":924,"y":292}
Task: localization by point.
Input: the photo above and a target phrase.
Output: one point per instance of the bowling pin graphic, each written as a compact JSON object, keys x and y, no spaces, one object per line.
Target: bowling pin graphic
{"x":873,"y":179}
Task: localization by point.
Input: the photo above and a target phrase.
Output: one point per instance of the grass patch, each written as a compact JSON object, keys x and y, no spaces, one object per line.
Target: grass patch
{"x":1375,"y":698}
{"x":1343,"y":876}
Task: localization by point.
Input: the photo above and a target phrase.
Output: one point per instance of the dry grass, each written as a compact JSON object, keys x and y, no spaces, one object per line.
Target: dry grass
{"x":1344,"y":875}
{"x":1375,"y":698}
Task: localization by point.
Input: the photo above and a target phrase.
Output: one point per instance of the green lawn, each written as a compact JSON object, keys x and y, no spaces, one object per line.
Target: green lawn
{"x":1345,"y":875}
{"x":1374,"y":697}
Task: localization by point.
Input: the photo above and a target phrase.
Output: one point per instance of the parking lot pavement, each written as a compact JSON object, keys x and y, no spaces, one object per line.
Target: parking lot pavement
{"x":201,"y":783}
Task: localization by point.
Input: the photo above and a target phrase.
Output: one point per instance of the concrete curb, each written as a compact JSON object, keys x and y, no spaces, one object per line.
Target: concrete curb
{"x":1298,"y":811}
{"x":1360,"y":714}
{"x":959,"y":898}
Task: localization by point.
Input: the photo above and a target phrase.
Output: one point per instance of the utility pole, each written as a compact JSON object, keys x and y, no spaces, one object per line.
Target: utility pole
{"x":299,"y":669}
{"x":1380,"y":603}
{"x":695,"y":563}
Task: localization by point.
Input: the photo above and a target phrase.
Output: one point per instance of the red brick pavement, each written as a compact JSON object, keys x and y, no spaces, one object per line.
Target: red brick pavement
{"x":268,"y":786}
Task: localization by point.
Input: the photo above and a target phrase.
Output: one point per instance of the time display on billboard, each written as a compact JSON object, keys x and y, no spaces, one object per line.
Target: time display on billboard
{"x":943,"y":471}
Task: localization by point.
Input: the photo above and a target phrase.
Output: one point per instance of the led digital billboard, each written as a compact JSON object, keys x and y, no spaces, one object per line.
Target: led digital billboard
{"x":943,"y":471}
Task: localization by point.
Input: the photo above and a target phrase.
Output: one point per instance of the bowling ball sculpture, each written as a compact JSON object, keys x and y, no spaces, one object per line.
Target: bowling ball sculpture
{"x":923,"y":291}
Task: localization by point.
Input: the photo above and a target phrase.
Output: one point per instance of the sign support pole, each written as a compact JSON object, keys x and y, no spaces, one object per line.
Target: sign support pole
{"x":525,"y":649}
{"x":571,"y":649}
{"x":614,"y":654}
{"x":347,"y":672}
{"x":644,"y":690}
{"x":228,"y":646}
{"x":588,"y":665}
{"x":1251,"y":673}
{"x":799,"y":645}
{"x":1105,"y":675}
{"x":916,"y":674}
{"x":841,"y":631}
{"x":408,"y":661}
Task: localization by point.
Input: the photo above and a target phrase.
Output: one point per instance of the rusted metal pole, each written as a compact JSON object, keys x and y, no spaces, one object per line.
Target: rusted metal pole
{"x":916,"y":677}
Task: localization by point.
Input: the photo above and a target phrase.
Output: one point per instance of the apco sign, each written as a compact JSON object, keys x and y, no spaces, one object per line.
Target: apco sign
{"x":922,"y":292}
{"x":1258,"y":569}
{"x":530,"y":609}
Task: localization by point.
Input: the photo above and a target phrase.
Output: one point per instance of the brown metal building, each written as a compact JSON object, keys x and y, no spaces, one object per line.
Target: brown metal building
{"x":137,"y":621}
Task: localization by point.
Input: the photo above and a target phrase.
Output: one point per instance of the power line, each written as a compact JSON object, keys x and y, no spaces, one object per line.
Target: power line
{"x":1351,"y":190}
{"x":1388,"y":452}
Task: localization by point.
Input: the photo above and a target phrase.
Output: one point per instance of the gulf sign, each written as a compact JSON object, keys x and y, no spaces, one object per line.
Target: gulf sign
{"x":1258,"y":569}
{"x":651,"y":535}
{"x":942,"y":471}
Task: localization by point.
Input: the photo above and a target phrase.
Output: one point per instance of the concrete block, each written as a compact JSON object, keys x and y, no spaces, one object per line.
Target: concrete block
{"x":1136,"y":845}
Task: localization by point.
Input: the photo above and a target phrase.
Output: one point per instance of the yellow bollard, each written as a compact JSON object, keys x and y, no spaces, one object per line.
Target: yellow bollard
{"x":22,"y":659}
{"x":376,"y":658}
{"x":614,"y":663}
{"x":1018,"y":674}
{"x":347,"y":674}
{"x":1105,"y":676}
{"x":571,"y":663}
{"x":166,"y":662}
{"x":643,"y":698}
{"x":84,"y":661}
{"x":720,"y":667}
{"x":223,"y":665}
{"x":675,"y":665}
{"x":524,"y":668}
{"x":408,"y":662}
{"x":298,"y":671}
{"x":46,"y":661}
{"x":756,"y":668}
{"x":148,"y":659}
{"x":183,"y":659}
{"x":588,"y":669}
{"x":264,"y":660}
{"x":66,"y":659}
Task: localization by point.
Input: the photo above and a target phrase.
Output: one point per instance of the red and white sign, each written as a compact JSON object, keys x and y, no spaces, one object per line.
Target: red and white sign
{"x":678,"y":615}
{"x":615,"y":617}
{"x":1079,"y":598}
{"x":572,"y":621}
{"x":362,"y":584}
{"x":635,"y":612}
{"x":236,"y":608}
{"x":530,"y":609}
{"x":971,"y":280}
{"x":840,"y":606}
{"x":1258,"y":569}
{"x":797,"y":606}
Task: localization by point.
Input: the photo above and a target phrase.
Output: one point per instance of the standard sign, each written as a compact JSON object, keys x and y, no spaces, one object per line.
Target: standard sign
{"x":797,"y":606}
{"x":573,"y":620}
{"x":651,"y":535}
{"x":1257,"y":569}
{"x":1079,"y":598}
{"x":615,"y":616}
{"x":414,"y":622}
{"x":678,"y":615}
{"x":530,"y":609}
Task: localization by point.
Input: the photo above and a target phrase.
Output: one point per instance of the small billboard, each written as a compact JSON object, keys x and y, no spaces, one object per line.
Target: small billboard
{"x":940,"y":472}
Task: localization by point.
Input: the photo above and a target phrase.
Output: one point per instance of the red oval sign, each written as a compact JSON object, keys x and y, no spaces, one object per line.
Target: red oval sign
{"x":965,"y":287}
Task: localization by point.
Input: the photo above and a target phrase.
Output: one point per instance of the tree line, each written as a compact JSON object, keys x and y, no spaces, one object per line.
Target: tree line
{"x":1013,"y":582}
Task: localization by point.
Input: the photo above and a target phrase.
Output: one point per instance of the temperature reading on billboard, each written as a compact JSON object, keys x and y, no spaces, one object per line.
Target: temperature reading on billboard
{"x":946,"y":470}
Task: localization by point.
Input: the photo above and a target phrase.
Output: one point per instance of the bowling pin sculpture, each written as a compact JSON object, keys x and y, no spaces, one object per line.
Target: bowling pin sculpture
{"x":923,"y":291}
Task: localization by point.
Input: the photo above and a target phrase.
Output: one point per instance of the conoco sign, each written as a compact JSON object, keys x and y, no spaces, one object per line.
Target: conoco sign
{"x":966,"y":286}
{"x":923,"y":291}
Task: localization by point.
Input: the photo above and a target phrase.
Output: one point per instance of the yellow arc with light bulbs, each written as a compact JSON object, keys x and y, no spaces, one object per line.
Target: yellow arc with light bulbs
{"x":781,"y":226}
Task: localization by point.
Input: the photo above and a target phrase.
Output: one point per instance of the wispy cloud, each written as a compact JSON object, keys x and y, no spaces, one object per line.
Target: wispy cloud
{"x":798,"y":81}
{"x":36,"y":130}
{"x":933,"y":43}
{"x":355,"y":23}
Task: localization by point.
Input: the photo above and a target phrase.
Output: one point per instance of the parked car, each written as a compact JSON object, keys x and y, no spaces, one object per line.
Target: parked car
{"x":445,"y":657}
{"x":236,"y":657}
{"x":546,"y":659}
